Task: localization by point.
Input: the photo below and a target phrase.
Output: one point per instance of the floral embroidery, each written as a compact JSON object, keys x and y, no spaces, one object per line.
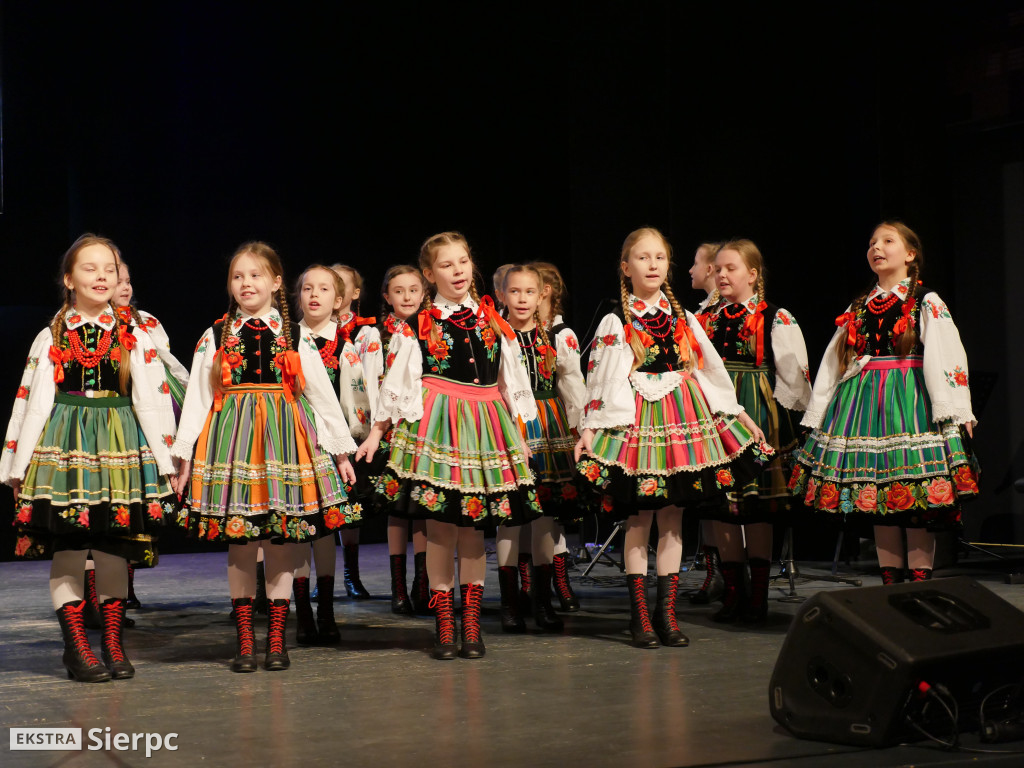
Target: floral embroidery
{"x":593,"y":405}
{"x":389,"y":360}
{"x":569,"y":492}
{"x":236,"y":527}
{"x":150,"y":355}
{"x":899,"y":497}
{"x":828,"y":498}
{"x":391,"y":488}
{"x":607,"y":503}
{"x":723,"y":478}
{"x":965,"y":480}
{"x":845,"y":502}
{"x":938,"y":309}
{"x":591,"y":365}
{"x":24,"y":514}
{"x":611,"y":340}
{"x":571,"y":343}
{"x":501,"y":508}
{"x":594,"y":472}
{"x":22,"y":393}
{"x":956,"y":378}
{"x":203,"y":344}
{"x":353,"y":514}
{"x":782,"y":317}
{"x":472,"y":506}
{"x":352,"y":359}
{"x":213,"y":530}
{"x":333,"y":518}
{"x":373,"y":347}
{"x":651,"y":486}
{"x":31,"y":363}
{"x":439,"y":351}
{"x":490,"y":341}
{"x":428,"y":498}
{"x":639,"y":307}
{"x":867,"y":498}
{"x":155,"y":511}
{"x":168,"y":440}
{"x":77,"y":515}
{"x":163,"y":388}
{"x":940,"y":492}
{"x":122,"y":517}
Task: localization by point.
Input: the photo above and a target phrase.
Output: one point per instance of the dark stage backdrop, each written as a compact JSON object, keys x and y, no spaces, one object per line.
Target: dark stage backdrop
{"x":549,"y":131}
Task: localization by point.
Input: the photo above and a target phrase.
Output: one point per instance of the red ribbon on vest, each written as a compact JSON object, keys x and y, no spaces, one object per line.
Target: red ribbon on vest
{"x":628,"y":332}
{"x":754,"y":326}
{"x":904,"y":322}
{"x":426,"y":321}
{"x":346,"y":329}
{"x":292,"y":379}
{"x":686,"y":341}
{"x":57,"y":358}
{"x":849,"y":319}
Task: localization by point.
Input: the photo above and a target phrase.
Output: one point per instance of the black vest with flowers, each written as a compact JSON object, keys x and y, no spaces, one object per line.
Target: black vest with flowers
{"x":880,"y":318}
{"x":91,"y":358}
{"x":663,"y":353}
{"x":542,"y":380}
{"x":469,"y":351}
{"x":733,"y":341}
{"x":251,"y":352}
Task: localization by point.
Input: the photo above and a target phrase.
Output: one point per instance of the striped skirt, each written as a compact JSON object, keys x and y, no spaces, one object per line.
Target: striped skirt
{"x":765,"y":498}
{"x":92,"y":483}
{"x":177,"y":392}
{"x":878,"y":455}
{"x":461,"y":463}
{"x":676,"y":451}
{"x":258,"y":473}
{"x":551,"y":441}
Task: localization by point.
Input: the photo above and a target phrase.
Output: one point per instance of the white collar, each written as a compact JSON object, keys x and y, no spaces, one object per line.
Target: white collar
{"x":73,"y":319}
{"x":447,"y":308}
{"x":328,"y":332}
{"x":901,"y":289}
{"x":750,"y":304}
{"x":639,"y":307}
{"x":271,"y":318}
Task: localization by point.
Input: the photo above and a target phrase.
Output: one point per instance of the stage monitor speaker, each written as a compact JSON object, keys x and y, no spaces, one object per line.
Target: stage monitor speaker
{"x":852,"y":666}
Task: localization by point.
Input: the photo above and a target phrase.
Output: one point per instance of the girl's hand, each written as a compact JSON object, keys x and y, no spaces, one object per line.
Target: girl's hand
{"x":348,"y":474}
{"x":585,"y":444}
{"x":969,"y":429}
{"x":748,"y":422}
{"x":180,"y":480}
{"x":372,"y":441}
{"x":16,"y":487}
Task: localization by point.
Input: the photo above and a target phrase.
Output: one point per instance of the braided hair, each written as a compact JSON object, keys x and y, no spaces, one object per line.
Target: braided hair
{"x":271,"y":262}
{"x":845,"y":354}
{"x":552,"y":277}
{"x":639,"y":351}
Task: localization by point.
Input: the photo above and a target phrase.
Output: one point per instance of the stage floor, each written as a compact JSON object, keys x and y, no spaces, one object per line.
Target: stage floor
{"x":584,"y":697}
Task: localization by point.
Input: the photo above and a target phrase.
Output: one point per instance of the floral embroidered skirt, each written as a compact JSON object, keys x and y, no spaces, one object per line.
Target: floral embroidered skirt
{"x":879,"y":457}
{"x":676,"y":451}
{"x":461,"y":463}
{"x":766,"y":498}
{"x":551,"y":441}
{"x":92,"y":483}
{"x":258,"y":473}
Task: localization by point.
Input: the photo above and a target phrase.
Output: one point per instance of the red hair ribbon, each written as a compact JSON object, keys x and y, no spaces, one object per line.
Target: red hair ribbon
{"x":356,"y":320}
{"x":753,"y":325}
{"x":57,"y":358}
{"x":849,"y":319}
{"x":124,"y":314}
{"x":488,"y":312}
{"x":125,"y":338}
{"x":292,"y":379}
{"x":901,"y":325}
{"x":225,"y":379}
{"x":628,"y":332}
{"x":686,"y":341}
{"x":426,"y":321}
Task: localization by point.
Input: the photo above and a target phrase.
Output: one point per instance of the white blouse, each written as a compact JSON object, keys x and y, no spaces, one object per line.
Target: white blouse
{"x":401,"y":391}
{"x":944,"y":365}
{"x":151,"y":401}
{"x":163,"y":347}
{"x":610,"y":385}
{"x":332,"y":430}
{"x":569,"y":381}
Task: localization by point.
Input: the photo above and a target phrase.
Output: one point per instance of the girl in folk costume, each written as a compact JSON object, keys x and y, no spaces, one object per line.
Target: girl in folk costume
{"x":262,"y":469}
{"x":661,"y":427}
{"x":175,"y":374}
{"x":403,"y":290}
{"x":764,"y":352}
{"x":703,"y":277}
{"x":362,"y":364}
{"x":891,"y":413}
{"x":321,"y":293}
{"x":86,"y":453}
{"x":550,"y":440}
{"x":457,"y":458}
{"x":572,"y":390}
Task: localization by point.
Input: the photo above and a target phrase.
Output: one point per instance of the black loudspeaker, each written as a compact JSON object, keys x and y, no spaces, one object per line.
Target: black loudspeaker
{"x":856,"y":663}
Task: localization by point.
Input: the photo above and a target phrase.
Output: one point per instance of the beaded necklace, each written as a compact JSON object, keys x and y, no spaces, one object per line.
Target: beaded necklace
{"x":879,"y":306}
{"x":529,"y":336}
{"x":258,"y":327}
{"x":466,"y":314}
{"x":89,"y":358}
{"x":741,"y":310}
{"x":327,"y":353}
{"x":659,"y":326}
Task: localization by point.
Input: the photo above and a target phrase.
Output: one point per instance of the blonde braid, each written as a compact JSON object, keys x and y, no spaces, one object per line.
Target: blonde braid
{"x":428,"y":304}
{"x":759,"y":287}
{"x":286,"y":318}
{"x":57,"y":324}
{"x":225,"y":331}
{"x":542,"y":334}
{"x":680,"y":314}
{"x":845,"y":354}
{"x":908,"y":339}
{"x":639,"y":351}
